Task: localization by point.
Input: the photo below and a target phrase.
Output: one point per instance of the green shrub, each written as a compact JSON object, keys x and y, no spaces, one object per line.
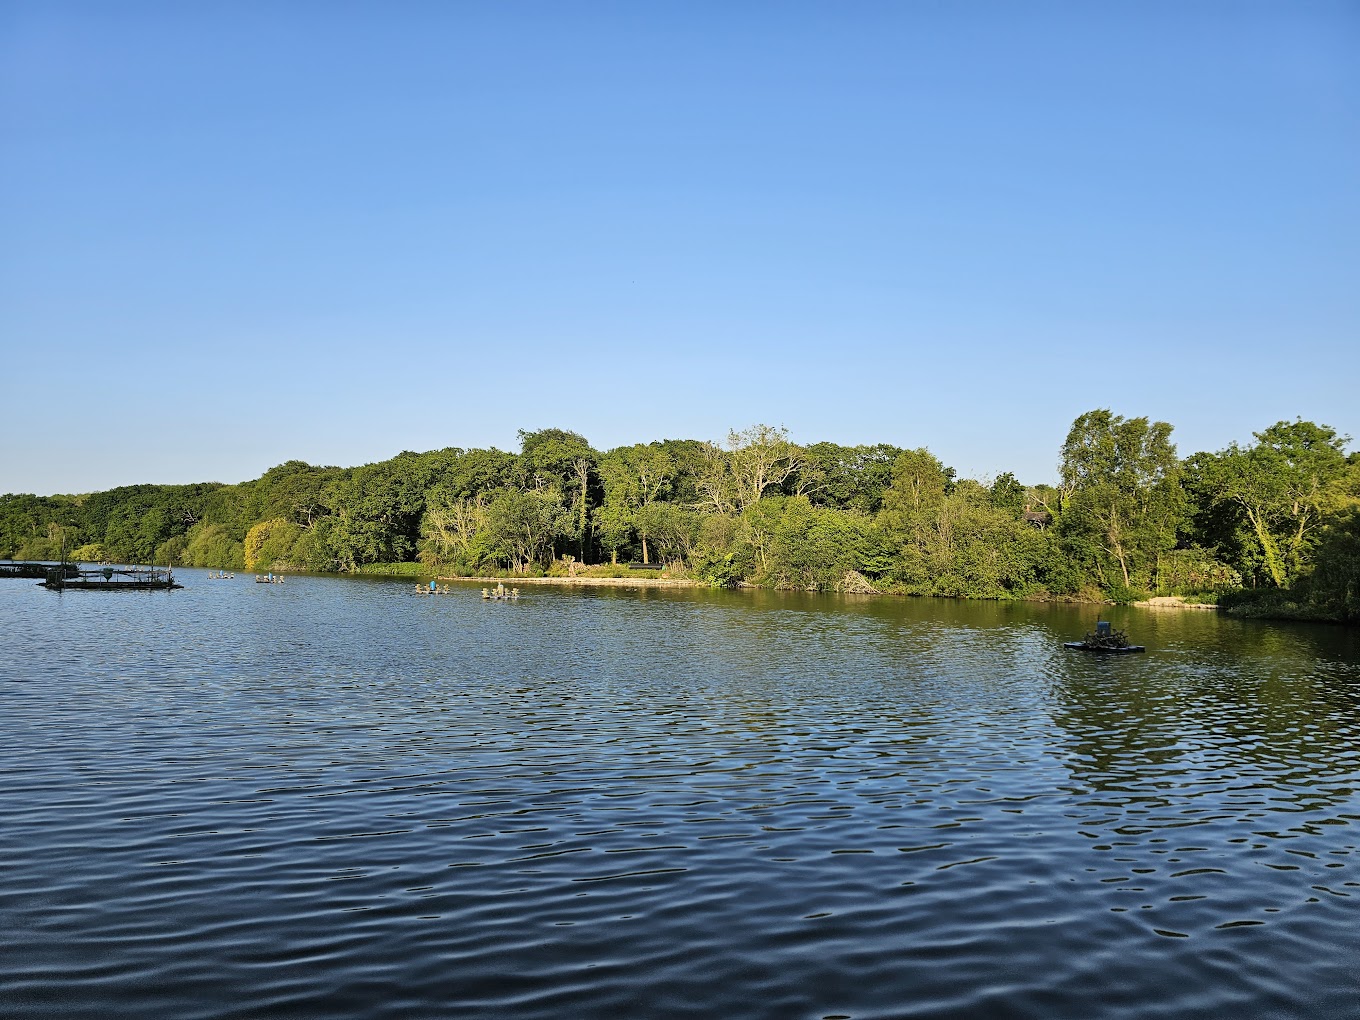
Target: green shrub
{"x":1276,"y":604}
{"x":1124,"y":594}
{"x":392,"y":569}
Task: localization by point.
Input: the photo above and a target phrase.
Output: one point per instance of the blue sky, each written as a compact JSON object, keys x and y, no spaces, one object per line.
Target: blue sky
{"x":234,"y":234}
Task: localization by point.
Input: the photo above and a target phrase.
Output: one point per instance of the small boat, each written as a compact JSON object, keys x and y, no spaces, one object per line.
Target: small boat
{"x":1105,"y":640}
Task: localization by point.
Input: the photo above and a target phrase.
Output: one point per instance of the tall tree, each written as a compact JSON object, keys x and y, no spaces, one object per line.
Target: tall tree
{"x":550,"y":455}
{"x":757,"y":461}
{"x":1281,"y":487}
{"x":907,"y":520}
{"x":1121,"y":482}
{"x":634,"y":478}
{"x":450,"y":526}
{"x":847,"y":477}
{"x":521,"y":526}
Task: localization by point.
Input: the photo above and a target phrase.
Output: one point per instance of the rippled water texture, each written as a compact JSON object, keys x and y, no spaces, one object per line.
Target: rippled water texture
{"x":332,"y":798}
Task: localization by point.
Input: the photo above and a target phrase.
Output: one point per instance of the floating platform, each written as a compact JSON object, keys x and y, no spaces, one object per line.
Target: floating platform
{"x":114,"y":586}
{"x":1082,"y":646}
{"x":63,"y":577}
{"x":104,"y":580}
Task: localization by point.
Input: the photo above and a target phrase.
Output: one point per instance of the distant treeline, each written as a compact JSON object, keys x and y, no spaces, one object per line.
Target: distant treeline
{"x":1271,"y":528}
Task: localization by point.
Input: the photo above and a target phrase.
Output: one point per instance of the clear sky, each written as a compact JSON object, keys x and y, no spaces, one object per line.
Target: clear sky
{"x":234,"y":234}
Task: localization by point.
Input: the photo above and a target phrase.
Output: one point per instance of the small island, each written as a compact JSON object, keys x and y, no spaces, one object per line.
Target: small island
{"x":1267,"y":529}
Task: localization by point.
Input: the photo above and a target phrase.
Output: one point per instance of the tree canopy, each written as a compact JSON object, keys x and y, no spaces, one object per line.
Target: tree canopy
{"x":1129,"y":517}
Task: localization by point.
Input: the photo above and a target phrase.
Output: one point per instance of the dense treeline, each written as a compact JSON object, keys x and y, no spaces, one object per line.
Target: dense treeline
{"x":1273,"y":527}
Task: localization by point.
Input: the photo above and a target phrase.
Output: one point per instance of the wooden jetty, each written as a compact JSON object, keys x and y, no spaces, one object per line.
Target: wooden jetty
{"x":38,"y":571}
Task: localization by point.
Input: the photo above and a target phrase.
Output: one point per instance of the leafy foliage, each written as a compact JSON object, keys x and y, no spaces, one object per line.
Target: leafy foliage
{"x":1123,"y":495}
{"x":1272,"y":497}
{"x":1278,"y":519}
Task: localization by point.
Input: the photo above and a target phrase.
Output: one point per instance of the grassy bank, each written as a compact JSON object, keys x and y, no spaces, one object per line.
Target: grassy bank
{"x":581,"y":580}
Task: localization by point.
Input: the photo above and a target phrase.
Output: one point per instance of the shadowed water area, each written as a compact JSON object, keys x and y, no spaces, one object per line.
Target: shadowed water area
{"x":334,"y":798}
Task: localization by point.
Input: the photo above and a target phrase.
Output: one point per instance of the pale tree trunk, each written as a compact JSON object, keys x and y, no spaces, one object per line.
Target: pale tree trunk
{"x":1268,"y":546}
{"x":583,"y":475}
{"x":1123,"y":562}
{"x":1116,"y":546}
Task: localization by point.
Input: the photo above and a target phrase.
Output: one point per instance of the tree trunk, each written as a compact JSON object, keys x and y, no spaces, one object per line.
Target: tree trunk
{"x":584,"y":509}
{"x":1268,"y":546}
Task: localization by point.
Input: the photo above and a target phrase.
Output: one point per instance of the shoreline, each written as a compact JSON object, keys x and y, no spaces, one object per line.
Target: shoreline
{"x":1173,"y":602}
{"x":1160,"y":602}
{"x":606,"y":582}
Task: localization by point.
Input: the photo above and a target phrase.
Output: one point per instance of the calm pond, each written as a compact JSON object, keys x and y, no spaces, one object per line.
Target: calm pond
{"x":332,"y":798}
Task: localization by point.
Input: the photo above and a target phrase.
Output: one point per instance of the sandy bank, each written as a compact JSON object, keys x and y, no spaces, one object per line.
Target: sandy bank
{"x":1160,"y":602}
{"x":1173,"y":602}
{"x":604,"y":582}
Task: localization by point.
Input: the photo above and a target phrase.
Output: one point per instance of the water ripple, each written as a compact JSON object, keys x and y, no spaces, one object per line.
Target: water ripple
{"x":330,"y":799}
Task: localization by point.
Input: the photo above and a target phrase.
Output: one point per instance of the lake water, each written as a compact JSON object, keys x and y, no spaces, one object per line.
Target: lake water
{"x":331,"y":798}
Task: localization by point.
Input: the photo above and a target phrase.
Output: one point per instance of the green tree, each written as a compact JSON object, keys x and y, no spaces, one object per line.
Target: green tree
{"x":950,"y":538}
{"x":674,"y":528}
{"x":818,"y":547}
{"x":469,"y":473}
{"x":1334,"y":583}
{"x":450,"y":528}
{"x":521,"y":526}
{"x":1280,"y":488}
{"x":25,"y":522}
{"x":269,"y":543}
{"x":757,"y":461}
{"x":374,"y":511}
{"x":557,"y":458}
{"x":1008,"y":494}
{"x":847,"y":477}
{"x":919,"y":486}
{"x":212,"y":545}
{"x":614,"y":525}
{"x":1122,"y":491}
{"x":634,"y":477}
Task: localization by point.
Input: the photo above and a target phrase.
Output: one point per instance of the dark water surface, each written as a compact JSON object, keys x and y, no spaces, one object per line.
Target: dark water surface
{"x":330,"y":798}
